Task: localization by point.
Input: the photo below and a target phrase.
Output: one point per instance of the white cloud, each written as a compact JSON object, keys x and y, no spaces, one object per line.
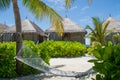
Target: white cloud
{"x":56,"y":2}
{"x":117,"y":16}
{"x":85,"y":8}
{"x":59,"y":5}
{"x":73,"y":8}
{"x":85,"y":19}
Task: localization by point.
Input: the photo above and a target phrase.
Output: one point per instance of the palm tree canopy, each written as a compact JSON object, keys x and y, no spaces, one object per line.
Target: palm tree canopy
{"x":68,"y":3}
{"x":90,"y":1}
{"x":41,"y":10}
{"x":4,"y":4}
{"x":99,"y":32}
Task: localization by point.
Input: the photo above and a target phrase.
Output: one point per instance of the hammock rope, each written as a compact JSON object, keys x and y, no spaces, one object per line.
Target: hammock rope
{"x":39,"y":64}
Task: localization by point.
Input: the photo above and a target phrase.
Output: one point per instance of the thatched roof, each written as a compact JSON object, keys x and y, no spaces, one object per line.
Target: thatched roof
{"x":114,"y":24}
{"x":69,"y":27}
{"x":3,"y":27}
{"x":27,"y":27}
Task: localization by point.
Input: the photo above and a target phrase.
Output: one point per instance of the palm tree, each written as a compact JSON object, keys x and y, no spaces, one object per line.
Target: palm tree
{"x":99,"y":33}
{"x":40,"y":10}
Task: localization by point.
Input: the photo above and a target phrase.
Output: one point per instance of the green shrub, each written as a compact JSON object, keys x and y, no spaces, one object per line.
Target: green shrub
{"x":92,"y":47}
{"x":107,"y":62}
{"x":8,"y":62}
{"x":62,"y":48}
{"x":30,"y":49}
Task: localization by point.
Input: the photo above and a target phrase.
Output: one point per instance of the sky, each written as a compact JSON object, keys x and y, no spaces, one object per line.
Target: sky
{"x":80,"y":12}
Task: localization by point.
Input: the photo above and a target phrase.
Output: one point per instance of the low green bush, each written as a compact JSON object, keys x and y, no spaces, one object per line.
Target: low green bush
{"x":30,"y":49}
{"x":62,"y":48}
{"x":8,"y":62}
{"x":107,"y":62}
{"x":92,"y":47}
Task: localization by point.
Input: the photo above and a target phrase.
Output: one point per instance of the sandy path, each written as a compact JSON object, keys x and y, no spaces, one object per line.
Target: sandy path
{"x":79,"y":64}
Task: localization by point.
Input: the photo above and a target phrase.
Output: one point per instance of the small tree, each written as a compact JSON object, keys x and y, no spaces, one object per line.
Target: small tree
{"x":99,"y":32}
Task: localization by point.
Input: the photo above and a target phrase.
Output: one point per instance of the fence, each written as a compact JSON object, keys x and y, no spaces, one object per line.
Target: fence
{"x":36,"y":37}
{"x":7,"y":37}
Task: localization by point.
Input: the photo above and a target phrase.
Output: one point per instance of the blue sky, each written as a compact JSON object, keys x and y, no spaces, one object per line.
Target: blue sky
{"x":80,"y":12}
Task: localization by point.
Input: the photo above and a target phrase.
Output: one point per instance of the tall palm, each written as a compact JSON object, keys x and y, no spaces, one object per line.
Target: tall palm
{"x":99,"y":33}
{"x":40,"y":10}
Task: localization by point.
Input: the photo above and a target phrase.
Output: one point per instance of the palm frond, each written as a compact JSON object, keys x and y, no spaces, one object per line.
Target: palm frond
{"x":68,"y":3}
{"x":4,"y":4}
{"x":98,"y":26}
{"x":41,"y":10}
{"x":99,"y":33}
{"x":105,"y":26}
{"x":90,"y":35}
{"x":89,"y":1}
{"x":91,"y":29}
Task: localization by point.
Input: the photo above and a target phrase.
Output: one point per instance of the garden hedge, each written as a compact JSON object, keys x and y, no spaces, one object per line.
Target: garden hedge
{"x":62,"y":48}
{"x":44,"y":50}
{"x":8,"y":62}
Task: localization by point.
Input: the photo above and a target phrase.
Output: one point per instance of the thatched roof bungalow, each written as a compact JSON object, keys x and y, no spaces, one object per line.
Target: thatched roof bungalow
{"x":72,"y":32}
{"x":30,"y":31}
{"x":114,"y":27}
{"x":3,"y":27}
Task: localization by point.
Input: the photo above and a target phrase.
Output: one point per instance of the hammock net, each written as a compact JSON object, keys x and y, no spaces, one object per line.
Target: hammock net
{"x":31,"y":59}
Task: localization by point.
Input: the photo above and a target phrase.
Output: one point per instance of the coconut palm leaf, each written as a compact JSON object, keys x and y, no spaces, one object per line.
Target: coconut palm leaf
{"x":105,"y":26}
{"x":4,"y":4}
{"x":92,"y":30}
{"x":99,"y":33}
{"x":68,"y":3}
{"x":89,"y":1}
{"x":97,"y":23}
{"x":41,"y":10}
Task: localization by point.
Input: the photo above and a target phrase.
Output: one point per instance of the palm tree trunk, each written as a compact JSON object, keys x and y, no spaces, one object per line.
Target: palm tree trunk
{"x":18,"y":35}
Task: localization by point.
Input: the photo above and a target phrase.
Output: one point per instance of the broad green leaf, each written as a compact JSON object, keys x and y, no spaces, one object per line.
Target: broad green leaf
{"x":107,"y":53}
{"x":109,"y":43}
{"x":97,"y":54}
{"x":117,"y":60}
{"x":108,"y":66}
{"x":98,"y":77}
{"x":93,"y":60}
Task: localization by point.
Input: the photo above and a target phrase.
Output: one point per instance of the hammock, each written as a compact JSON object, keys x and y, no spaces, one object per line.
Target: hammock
{"x":39,"y":64}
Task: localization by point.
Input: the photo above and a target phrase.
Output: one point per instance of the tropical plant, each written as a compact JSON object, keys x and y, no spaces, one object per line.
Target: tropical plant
{"x":99,"y":32}
{"x":107,"y":62}
{"x":61,"y":49}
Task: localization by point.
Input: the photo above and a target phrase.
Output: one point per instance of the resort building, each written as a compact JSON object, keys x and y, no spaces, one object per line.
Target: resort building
{"x":30,"y":31}
{"x":114,"y":28}
{"x":3,"y":27}
{"x":72,"y":32}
